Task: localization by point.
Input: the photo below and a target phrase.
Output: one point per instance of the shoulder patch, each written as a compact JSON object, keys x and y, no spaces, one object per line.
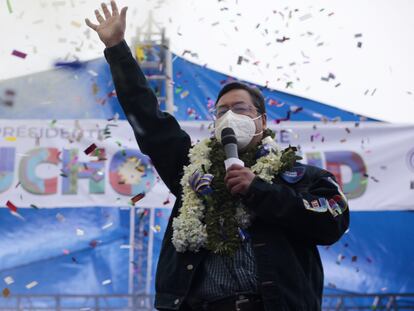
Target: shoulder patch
{"x":294,"y":175}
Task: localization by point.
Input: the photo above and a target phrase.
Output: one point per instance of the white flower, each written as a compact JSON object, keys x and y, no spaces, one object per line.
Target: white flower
{"x":268,"y":140}
{"x":189,"y":230}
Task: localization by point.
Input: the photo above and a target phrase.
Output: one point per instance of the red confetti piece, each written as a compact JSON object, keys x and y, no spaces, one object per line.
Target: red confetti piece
{"x":112,"y":94}
{"x":19,"y":54}
{"x":93,"y":243}
{"x":138,"y":197}
{"x":11,"y":206}
{"x":90,"y":149}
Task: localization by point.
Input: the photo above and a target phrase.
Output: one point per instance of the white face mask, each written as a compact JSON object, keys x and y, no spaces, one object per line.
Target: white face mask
{"x":243,"y":126}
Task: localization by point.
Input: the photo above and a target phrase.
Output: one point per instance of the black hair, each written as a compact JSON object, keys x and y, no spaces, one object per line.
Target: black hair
{"x":255,"y":94}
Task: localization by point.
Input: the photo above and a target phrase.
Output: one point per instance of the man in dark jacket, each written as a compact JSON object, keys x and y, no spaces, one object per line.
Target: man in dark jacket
{"x":276,"y":266}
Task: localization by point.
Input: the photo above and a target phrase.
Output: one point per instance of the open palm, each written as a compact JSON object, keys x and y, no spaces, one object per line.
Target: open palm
{"x":111,"y":28}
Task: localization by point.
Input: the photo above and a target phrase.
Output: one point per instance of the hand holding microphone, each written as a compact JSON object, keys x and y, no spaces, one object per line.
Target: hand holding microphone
{"x":238,"y":177}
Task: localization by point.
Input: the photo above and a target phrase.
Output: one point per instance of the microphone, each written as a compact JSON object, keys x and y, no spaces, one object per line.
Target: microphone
{"x":229,"y":142}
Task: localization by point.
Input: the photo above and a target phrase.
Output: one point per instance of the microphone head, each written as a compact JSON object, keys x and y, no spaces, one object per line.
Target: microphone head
{"x":228,"y":136}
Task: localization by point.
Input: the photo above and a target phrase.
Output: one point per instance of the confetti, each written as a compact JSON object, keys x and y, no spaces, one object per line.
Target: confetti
{"x":19,"y":54}
{"x":292,"y":110}
{"x":6,"y":292}
{"x":107,"y":226}
{"x":31,"y":285}
{"x":156,"y":228}
{"x":79,"y":232}
{"x":11,"y":206}
{"x":305,"y":17}
{"x":92,"y":73}
{"x":76,"y":24}
{"x":138,"y":197}
{"x":93,"y":243}
{"x":8,"y":97}
{"x":90,"y":149}
{"x":328,"y":78}
{"x":184,"y":94}
{"x":10,"y":138}
{"x":283,"y":39}
{"x":8,"y":280}
{"x":70,"y":65}
{"x":9,"y":7}
{"x":106,"y":282}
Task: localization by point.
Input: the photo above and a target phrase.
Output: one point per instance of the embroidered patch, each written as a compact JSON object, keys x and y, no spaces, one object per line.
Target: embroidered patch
{"x":315,"y":206}
{"x":324,"y":203}
{"x":334,"y":208}
{"x":294,"y":175}
{"x":339,"y":202}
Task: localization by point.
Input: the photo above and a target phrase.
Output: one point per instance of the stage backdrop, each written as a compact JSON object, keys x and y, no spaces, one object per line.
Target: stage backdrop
{"x":44,"y":163}
{"x":68,"y":233}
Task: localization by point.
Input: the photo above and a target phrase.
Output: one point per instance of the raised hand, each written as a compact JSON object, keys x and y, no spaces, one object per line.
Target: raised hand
{"x":111,"y":28}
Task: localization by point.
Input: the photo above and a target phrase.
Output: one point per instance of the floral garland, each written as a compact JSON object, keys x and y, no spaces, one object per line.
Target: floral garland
{"x":210,"y":216}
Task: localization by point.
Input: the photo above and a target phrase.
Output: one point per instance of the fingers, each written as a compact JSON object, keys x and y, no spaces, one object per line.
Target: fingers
{"x":231,"y":173}
{"x":123,"y":13}
{"x":91,"y":25}
{"x":99,"y":17}
{"x":237,"y":185}
{"x":234,"y":181}
{"x":105,"y":10}
{"x":240,"y":188}
{"x":114,"y":8}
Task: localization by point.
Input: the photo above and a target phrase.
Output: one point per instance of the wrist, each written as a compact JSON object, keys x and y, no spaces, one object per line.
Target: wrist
{"x":114,"y":42}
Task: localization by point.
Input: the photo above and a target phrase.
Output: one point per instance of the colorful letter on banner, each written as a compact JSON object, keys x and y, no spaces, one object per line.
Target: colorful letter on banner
{"x":27,"y":171}
{"x":131,"y":172}
{"x":73,"y":170}
{"x":6,"y":167}
{"x":334,"y":160}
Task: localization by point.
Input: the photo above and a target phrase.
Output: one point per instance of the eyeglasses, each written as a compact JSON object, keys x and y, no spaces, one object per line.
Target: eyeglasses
{"x":239,"y":108}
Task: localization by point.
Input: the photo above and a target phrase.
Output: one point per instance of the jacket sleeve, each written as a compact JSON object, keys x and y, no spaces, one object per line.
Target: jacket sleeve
{"x":319,"y":215}
{"x":158,"y":133}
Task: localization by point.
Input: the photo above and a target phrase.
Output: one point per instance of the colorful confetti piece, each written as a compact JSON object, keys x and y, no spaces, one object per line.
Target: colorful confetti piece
{"x":90,"y":149}
{"x":32,"y":284}
{"x":6,"y":292}
{"x":8,"y":280}
{"x":11,"y":206}
{"x":138,"y":197}
{"x":19,"y":54}
{"x":10,"y":138}
{"x":9,"y":7}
